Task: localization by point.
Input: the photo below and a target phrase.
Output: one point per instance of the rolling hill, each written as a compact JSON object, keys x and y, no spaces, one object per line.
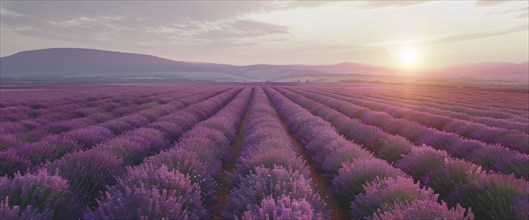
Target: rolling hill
{"x":89,"y":65}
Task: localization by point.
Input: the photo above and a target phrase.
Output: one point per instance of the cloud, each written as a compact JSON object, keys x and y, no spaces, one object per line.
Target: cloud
{"x":524,"y":13}
{"x":184,"y":23}
{"x":488,"y":2}
{"x":519,"y":12}
{"x":221,"y":29}
{"x":7,"y":13}
{"x":450,"y":38}
{"x":478,"y":35}
{"x":384,"y":4}
{"x":246,"y":28}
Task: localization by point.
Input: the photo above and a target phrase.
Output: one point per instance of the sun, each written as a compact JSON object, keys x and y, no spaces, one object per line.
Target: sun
{"x":407,"y":57}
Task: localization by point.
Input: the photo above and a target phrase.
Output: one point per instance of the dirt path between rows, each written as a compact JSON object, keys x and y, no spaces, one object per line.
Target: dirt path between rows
{"x":229,"y":166}
{"x":323,"y":186}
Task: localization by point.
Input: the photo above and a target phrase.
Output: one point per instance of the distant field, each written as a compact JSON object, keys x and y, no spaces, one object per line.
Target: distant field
{"x":20,"y":90}
{"x":257,"y":151}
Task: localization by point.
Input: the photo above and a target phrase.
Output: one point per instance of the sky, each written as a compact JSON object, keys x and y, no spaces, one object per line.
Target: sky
{"x":402,"y":34}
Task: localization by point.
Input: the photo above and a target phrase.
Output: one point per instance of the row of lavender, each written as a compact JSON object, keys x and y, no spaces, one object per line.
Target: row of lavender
{"x":498,"y":102}
{"x":490,"y":157}
{"x":369,"y":186}
{"x":437,"y":109}
{"x":489,"y":195}
{"x":56,"y":95}
{"x":172,"y":160}
{"x":16,"y":133}
{"x":179,"y":183}
{"x":55,"y":116}
{"x":64,"y":104}
{"x":512,"y":139}
{"x":502,"y":105}
{"x":271,"y":180}
{"x":54,"y":146}
{"x":504,"y":100}
{"x":67,"y":187}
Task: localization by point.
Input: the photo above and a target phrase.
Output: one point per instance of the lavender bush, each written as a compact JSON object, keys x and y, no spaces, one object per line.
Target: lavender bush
{"x":353,"y":175}
{"x":420,"y":160}
{"x":15,"y":212}
{"x":266,"y":182}
{"x":424,"y":209}
{"x":10,"y":163}
{"x":147,"y":191}
{"x":283,"y":208}
{"x":494,"y":196}
{"x":87,"y":173}
{"x":39,"y":193}
{"x":383,"y":195}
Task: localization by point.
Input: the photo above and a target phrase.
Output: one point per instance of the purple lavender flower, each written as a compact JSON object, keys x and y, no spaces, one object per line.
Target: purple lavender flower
{"x":88,"y":172}
{"x":130,"y":152}
{"x":265,"y":183}
{"x":338,"y":157}
{"x":173,"y":130}
{"x":117,"y":126}
{"x":463,"y":148}
{"x":492,"y":196}
{"x":521,"y":207}
{"x":327,"y":143}
{"x":15,"y":212}
{"x":502,"y":159}
{"x":382,"y":195}
{"x":187,"y":163}
{"x":41,"y":192}
{"x":442,"y":140}
{"x":8,"y":141}
{"x":271,"y":157}
{"x":282,"y":208}
{"x":135,"y":120}
{"x":421,"y":160}
{"x":453,"y":173}
{"x":10,"y":163}
{"x":353,"y":175}
{"x":150,"y":176}
{"x":37,"y":153}
{"x":144,"y":203}
{"x":424,"y":209}
{"x":146,"y":184}
{"x":87,"y":137}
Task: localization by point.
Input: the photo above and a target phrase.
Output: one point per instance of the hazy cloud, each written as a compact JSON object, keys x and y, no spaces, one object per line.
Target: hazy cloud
{"x":519,"y":12}
{"x":137,"y":21}
{"x":524,"y":13}
{"x":236,"y":28}
{"x":7,"y":13}
{"x":450,"y":38}
{"x":478,"y":35}
{"x":383,"y":4}
{"x":488,"y":2}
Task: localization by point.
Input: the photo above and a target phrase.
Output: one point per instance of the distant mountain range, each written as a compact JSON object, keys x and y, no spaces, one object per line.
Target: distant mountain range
{"x":88,"y":65}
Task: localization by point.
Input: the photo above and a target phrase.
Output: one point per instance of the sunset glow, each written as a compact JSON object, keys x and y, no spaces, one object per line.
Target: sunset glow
{"x":408,"y":57}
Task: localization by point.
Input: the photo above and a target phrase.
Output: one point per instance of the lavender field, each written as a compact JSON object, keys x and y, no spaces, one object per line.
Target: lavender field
{"x":263,"y":151}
